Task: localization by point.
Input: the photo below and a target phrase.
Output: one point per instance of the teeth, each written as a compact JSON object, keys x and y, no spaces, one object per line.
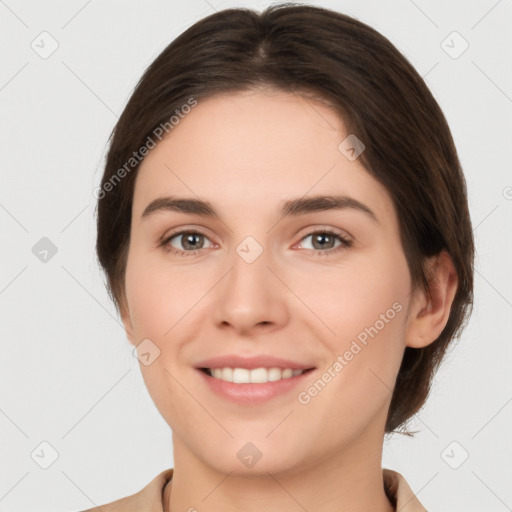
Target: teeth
{"x":257,"y":376}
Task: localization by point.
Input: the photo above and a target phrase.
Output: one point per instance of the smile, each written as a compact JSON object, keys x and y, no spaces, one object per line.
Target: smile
{"x":252,"y":387}
{"x":254,"y":376}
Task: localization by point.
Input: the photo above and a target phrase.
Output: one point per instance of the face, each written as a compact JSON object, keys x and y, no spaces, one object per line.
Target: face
{"x":324,"y":287}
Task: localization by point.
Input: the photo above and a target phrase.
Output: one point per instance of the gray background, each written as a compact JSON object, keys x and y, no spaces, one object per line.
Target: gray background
{"x":67,"y":374}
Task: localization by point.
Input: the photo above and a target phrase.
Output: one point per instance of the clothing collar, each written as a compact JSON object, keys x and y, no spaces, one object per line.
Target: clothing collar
{"x":396,"y":487}
{"x":155,"y":496}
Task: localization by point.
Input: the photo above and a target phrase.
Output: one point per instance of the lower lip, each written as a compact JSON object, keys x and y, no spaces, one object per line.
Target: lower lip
{"x":252,"y":393}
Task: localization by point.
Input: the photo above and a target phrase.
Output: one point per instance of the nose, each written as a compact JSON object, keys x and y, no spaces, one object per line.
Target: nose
{"x":251,"y":296}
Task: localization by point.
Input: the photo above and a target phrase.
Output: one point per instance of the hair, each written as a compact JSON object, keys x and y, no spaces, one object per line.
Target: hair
{"x":329,"y":57}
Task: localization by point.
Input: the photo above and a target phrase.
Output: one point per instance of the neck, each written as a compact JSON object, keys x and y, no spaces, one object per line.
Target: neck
{"x":345,"y":481}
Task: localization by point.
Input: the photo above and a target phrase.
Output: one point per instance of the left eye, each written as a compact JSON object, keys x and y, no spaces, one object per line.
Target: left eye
{"x":324,"y":240}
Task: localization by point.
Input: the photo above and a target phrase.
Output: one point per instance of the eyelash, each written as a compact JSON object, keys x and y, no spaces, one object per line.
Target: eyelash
{"x":345,"y":243}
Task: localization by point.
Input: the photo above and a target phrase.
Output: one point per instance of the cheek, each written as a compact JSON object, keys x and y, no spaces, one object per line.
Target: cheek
{"x":378,"y":310}
{"x":366,"y":290}
{"x":161,"y":307}
{"x":364,"y":306}
{"x":158,"y":295}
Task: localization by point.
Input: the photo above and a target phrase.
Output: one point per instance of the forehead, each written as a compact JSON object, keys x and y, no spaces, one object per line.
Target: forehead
{"x":253,"y":149}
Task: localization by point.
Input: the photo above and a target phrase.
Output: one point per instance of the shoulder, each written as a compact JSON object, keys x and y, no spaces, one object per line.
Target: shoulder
{"x":398,"y":489}
{"x":148,"y":499}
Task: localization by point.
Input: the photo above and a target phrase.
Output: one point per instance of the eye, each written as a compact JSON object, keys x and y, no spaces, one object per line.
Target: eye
{"x":185,"y":243}
{"x":323,"y":241}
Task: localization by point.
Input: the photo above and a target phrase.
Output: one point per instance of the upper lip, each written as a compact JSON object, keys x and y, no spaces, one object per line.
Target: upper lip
{"x":259,"y":361}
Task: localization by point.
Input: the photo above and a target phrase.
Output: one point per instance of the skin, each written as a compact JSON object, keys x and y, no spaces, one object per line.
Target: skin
{"x":245,"y":153}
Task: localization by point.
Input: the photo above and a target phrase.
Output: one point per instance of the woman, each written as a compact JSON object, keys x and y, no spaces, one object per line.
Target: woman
{"x":284,"y":228}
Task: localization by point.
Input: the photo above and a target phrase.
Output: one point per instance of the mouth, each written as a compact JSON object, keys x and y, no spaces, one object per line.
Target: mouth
{"x":251,"y":387}
{"x":253,"y":376}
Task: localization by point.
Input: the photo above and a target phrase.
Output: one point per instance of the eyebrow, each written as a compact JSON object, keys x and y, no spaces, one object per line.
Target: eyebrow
{"x":289,"y":208}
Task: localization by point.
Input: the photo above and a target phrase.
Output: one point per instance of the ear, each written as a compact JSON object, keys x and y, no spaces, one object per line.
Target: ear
{"x":428,"y":315}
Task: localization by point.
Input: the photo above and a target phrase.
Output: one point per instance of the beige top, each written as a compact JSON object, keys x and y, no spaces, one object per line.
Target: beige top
{"x":155,"y":496}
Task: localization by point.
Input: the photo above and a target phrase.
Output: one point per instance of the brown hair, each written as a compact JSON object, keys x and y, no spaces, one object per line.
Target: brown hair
{"x":382,"y":100}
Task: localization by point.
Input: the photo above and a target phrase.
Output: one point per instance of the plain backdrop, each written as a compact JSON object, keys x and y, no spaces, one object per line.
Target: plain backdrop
{"x":71,"y":393}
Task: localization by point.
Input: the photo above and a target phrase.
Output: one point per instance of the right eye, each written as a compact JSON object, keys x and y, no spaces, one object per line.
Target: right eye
{"x":185,"y":242}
